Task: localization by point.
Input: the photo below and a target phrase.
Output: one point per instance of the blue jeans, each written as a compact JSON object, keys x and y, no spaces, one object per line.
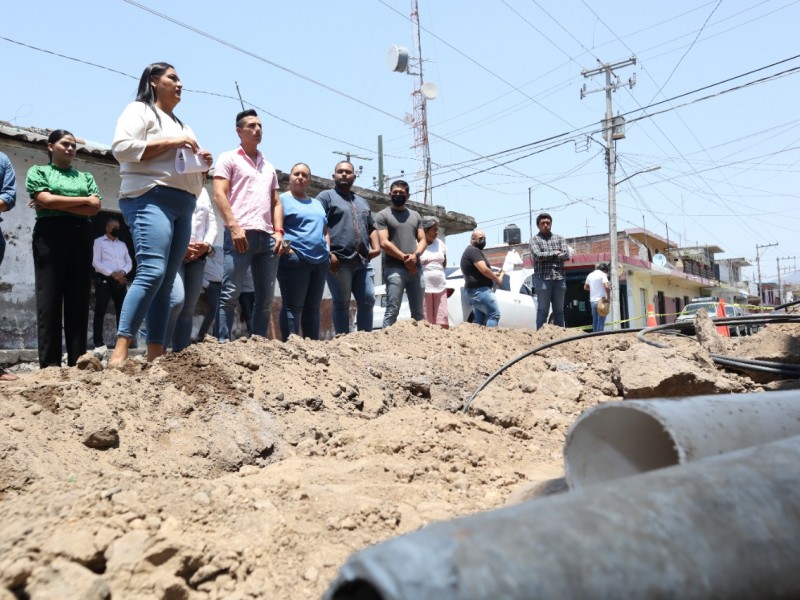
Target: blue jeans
{"x":183,"y":300}
{"x":484,"y":306}
{"x":550,"y":291}
{"x":212,"y":301}
{"x":399,"y":280}
{"x":302,"y":284}
{"x":359,"y":280}
{"x":598,"y":321}
{"x":263,"y":262}
{"x":247,"y":302}
{"x":160,"y":221}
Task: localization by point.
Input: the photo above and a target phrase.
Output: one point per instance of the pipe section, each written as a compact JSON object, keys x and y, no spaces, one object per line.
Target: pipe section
{"x":724,"y":527}
{"x":619,"y":439}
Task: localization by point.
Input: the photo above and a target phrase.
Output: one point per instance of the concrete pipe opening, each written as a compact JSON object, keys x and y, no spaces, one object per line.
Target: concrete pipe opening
{"x":616,"y":442}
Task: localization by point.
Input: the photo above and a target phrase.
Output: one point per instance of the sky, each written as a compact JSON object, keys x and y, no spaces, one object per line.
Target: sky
{"x":711,"y":118}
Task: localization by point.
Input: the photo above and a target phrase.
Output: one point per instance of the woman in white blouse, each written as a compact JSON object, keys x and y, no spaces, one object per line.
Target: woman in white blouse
{"x":156,"y":201}
{"x":189,"y":281}
{"x":434,"y":260}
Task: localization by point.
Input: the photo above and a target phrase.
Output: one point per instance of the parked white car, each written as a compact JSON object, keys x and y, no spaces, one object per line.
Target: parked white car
{"x":515,"y":299}
{"x":380,"y":308}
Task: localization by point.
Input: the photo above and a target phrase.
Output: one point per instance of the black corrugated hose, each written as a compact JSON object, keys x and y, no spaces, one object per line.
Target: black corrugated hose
{"x":789,"y":370}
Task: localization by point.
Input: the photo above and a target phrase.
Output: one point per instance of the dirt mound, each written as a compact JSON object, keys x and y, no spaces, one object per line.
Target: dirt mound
{"x":253,"y":469}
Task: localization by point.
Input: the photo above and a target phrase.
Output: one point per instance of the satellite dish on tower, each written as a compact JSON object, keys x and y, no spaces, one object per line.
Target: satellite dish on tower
{"x":397,"y":58}
{"x":430,"y":90}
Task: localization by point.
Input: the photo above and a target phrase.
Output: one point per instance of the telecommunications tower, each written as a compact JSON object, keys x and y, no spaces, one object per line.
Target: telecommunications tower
{"x":399,"y":60}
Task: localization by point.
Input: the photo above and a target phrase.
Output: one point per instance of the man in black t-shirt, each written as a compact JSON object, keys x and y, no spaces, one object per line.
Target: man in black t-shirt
{"x":479,"y":280}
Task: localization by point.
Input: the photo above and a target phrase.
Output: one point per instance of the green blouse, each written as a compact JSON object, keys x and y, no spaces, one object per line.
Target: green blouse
{"x":61,"y":182}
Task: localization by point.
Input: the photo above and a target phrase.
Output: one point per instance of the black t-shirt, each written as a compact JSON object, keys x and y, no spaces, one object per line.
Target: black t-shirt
{"x":473,"y":278}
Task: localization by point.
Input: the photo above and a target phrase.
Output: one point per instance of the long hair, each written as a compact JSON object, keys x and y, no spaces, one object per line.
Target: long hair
{"x":146,"y":93}
{"x":54,"y":137}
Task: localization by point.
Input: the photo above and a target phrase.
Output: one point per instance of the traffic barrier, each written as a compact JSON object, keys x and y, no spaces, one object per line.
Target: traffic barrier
{"x":723,"y":330}
{"x":651,"y":316}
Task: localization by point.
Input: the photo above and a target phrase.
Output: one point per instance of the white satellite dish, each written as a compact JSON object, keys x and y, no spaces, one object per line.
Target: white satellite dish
{"x":430,"y":90}
{"x":397,"y":58}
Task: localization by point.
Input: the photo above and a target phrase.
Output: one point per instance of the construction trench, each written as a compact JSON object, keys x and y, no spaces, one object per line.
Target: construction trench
{"x":411,"y":463}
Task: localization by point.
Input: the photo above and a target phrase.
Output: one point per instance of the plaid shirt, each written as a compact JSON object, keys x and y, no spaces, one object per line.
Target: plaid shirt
{"x":549,"y":255}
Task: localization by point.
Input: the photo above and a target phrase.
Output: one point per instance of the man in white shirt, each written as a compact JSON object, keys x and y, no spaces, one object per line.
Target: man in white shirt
{"x":598,"y":288}
{"x":112,"y":263}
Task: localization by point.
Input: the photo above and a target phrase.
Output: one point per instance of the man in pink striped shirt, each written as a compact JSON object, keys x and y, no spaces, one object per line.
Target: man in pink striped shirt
{"x":246,"y":194}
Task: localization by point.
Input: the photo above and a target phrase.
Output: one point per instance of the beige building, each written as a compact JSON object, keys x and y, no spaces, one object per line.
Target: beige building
{"x":652,"y":270}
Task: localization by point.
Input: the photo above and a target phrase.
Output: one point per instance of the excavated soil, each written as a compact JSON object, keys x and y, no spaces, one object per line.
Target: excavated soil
{"x":254,"y":469}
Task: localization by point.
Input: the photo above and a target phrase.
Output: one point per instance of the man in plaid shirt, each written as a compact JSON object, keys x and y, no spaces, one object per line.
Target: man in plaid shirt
{"x":549,"y":251}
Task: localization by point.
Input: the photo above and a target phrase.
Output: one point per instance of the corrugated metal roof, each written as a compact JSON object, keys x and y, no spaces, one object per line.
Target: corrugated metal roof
{"x":37,"y":135}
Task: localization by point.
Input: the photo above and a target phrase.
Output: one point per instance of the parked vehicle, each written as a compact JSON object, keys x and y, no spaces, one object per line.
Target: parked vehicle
{"x":380,"y":308}
{"x":517,"y":307}
{"x":711,"y":306}
{"x":515,"y":299}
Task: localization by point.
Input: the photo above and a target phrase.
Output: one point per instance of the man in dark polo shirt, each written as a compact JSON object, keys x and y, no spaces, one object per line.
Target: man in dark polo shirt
{"x":479,"y":279}
{"x":354,"y":242}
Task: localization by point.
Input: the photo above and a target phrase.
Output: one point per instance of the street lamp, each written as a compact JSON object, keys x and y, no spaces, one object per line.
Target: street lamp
{"x":612,"y":230}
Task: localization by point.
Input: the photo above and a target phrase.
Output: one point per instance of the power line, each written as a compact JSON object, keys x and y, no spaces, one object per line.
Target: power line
{"x":194,"y":91}
{"x":583,"y":131}
{"x":689,"y":49}
{"x":475,"y":62}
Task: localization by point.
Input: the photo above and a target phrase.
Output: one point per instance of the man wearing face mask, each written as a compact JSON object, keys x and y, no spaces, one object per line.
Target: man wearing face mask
{"x":402,"y":241}
{"x":479,"y":279}
{"x":112,"y":263}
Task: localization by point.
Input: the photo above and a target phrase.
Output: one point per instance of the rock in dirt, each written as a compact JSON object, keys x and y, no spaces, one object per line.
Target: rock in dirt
{"x":102,"y":439}
{"x":648,"y":372}
{"x":89,"y":362}
{"x":64,"y":580}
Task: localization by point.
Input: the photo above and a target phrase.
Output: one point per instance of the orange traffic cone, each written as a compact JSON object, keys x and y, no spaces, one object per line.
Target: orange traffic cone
{"x":651,"y":316}
{"x":723,"y":330}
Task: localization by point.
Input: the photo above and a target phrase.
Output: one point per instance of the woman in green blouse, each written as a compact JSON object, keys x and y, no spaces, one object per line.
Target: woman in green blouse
{"x":64,"y":199}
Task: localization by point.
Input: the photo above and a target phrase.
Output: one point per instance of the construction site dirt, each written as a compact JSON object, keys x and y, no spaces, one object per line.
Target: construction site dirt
{"x":253,"y":469}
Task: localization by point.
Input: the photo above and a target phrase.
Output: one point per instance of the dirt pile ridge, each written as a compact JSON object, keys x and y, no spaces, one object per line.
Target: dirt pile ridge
{"x":253,"y":469}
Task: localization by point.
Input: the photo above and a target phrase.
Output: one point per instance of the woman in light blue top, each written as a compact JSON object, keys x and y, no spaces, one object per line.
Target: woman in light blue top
{"x":303,"y":267}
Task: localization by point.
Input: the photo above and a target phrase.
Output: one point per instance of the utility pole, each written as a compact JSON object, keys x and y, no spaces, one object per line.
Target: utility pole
{"x":758,"y":267}
{"x":347,"y":156}
{"x":780,"y":271}
{"x":611,"y":127}
{"x":530,"y":214}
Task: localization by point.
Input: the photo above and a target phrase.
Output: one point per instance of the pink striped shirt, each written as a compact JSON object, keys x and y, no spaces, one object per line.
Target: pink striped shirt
{"x":251,"y":187}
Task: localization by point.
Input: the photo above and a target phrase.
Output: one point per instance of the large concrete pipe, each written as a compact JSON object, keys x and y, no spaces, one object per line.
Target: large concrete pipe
{"x":723,"y":527}
{"x":626,"y":438}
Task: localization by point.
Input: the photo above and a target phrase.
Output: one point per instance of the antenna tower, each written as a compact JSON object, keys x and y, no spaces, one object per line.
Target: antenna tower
{"x":420,"y":114}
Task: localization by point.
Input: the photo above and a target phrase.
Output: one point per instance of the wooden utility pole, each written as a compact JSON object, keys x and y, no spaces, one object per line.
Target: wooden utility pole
{"x":611,"y":160}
